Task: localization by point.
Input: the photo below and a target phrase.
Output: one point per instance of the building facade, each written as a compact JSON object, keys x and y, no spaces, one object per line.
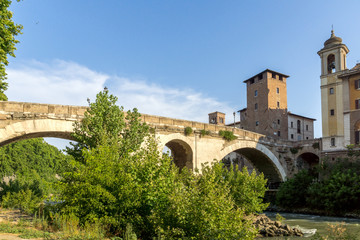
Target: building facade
{"x":217,"y":118}
{"x":340,"y":97}
{"x":300,"y":127}
{"x":267,"y":110}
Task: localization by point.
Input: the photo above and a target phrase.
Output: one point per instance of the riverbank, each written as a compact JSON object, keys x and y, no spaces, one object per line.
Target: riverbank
{"x":308,"y":211}
{"x":322,"y":226}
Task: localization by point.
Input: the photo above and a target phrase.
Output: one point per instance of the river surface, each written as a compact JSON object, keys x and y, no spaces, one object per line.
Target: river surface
{"x":310,"y":224}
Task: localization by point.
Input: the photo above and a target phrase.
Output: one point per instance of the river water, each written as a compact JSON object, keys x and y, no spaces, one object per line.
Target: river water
{"x":310,"y":224}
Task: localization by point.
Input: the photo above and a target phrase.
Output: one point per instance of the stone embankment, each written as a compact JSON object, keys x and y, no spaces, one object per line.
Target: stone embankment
{"x":270,"y":228}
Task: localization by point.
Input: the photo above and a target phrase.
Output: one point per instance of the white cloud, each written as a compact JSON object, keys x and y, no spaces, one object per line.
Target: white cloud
{"x":69,"y":83}
{"x":57,"y":82}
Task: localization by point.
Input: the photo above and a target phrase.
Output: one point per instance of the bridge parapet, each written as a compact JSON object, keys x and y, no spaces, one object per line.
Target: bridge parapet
{"x":179,"y":125}
{"x":23,"y":110}
{"x":21,"y":120}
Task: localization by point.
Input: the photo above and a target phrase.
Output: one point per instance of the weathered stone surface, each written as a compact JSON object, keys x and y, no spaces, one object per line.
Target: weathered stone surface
{"x":19,"y":120}
{"x":269,"y":228}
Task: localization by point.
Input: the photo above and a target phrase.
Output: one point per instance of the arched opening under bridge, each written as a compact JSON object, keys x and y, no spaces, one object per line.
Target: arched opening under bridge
{"x":181,"y":153}
{"x":261,"y":160}
{"x":307,"y":160}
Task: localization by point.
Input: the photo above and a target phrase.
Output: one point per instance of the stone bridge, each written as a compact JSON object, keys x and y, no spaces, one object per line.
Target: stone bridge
{"x":276,"y":159}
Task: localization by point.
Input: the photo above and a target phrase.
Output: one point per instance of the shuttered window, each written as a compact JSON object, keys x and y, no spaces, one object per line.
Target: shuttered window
{"x":357,"y":84}
{"x":357,"y":104}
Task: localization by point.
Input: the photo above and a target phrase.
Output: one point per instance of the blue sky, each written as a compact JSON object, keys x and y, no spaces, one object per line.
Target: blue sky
{"x":180,"y":59}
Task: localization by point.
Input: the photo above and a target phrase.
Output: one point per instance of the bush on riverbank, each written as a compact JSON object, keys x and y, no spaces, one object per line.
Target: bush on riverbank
{"x":28,"y":170}
{"x":115,"y":177}
{"x":119,"y":177}
{"x":334,"y":188}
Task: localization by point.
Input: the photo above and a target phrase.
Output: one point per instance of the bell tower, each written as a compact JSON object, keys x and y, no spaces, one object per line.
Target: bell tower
{"x":333,"y":90}
{"x":333,"y":55}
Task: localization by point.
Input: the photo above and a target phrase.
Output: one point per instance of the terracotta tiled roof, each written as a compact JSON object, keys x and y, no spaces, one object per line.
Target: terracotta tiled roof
{"x":357,"y":66}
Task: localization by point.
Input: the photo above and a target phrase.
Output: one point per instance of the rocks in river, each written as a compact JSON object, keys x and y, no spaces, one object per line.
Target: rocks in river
{"x":269,"y":228}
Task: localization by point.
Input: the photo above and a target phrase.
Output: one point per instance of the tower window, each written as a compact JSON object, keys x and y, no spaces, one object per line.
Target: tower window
{"x":256,"y":106}
{"x":331,"y":63}
{"x":292,"y":136}
{"x":298,"y":126}
{"x":331,"y":91}
{"x":252,"y":81}
{"x":278,"y":104}
{"x":260,"y":76}
{"x":332,"y":112}
{"x":278,"y":134}
{"x":307,"y":127}
{"x":278,"y":121}
{"x":357,"y":104}
{"x":332,"y":142}
{"x":357,"y":84}
{"x":274,"y":75}
{"x":255,"y":94}
{"x":257,"y":123}
{"x":280,"y":77}
{"x":277,"y":90}
{"x":292,"y":124}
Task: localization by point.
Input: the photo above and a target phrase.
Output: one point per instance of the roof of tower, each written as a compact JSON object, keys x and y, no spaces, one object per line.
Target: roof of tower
{"x":267,"y":70}
{"x":333,"y":40}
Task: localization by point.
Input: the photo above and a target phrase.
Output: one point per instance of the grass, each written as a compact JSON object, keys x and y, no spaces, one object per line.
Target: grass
{"x":24,"y":232}
{"x":24,"y":226}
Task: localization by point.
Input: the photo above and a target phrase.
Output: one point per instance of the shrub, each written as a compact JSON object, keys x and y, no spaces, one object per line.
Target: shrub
{"x":204,"y":132}
{"x":227,"y":135}
{"x":293,"y":192}
{"x":25,"y":200}
{"x":294,"y":150}
{"x":115,"y":186}
{"x":188,"y":131}
{"x":316,"y":145}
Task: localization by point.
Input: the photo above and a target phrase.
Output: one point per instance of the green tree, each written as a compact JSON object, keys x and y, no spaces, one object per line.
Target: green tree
{"x":8,"y":31}
{"x":121,"y":178}
{"x":294,"y":192}
{"x":247,"y":190}
{"x":28,"y":171}
{"x":105,"y":122}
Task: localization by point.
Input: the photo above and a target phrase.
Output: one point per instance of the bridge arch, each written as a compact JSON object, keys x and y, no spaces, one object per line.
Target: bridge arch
{"x":36,"y":128}
{"x":307,"y":159}
{"x":260,"y":156}
{"x":181,"y":149}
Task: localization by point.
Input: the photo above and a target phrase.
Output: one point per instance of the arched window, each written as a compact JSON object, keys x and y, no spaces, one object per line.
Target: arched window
{"x":331,"y":63}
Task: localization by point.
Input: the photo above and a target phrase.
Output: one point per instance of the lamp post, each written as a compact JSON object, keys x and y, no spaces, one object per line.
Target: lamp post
{"x":234,"y":118}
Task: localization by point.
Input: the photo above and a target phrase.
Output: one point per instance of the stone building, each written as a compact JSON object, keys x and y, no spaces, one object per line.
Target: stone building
{"x":300,"y":127}
{"x":217,"y":118}
{"x":267,"y":110}
{"x":340,"y":97}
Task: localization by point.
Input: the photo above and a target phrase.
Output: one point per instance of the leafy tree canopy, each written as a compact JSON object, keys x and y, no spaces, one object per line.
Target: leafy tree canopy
{"x":119,"y":177}
{"x":8,"y":31}
{"x":28,"y":170}
{"x":104,"y":123}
